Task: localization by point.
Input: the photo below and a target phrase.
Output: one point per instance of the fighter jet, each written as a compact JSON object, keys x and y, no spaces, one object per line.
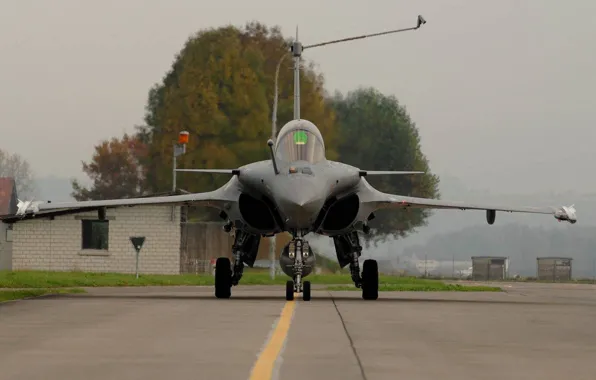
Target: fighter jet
{"x":298,"y":190}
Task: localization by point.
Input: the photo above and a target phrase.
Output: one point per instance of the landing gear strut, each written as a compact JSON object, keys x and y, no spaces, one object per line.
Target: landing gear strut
{"x":244,"y":250}
{"x":298,"y":251}
{"x":349,"y":250}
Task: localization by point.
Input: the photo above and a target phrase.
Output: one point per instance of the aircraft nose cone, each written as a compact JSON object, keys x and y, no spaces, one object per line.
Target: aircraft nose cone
{"x":300,"y":203}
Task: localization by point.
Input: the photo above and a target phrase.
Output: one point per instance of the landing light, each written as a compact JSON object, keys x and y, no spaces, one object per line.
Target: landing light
{"x":183,"y":138}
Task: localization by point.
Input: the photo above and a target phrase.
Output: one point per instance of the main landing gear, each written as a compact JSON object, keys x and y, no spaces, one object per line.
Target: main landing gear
{"x":297,"y":261}
{"x":244,"y":250}
{"x":348,"y":251}
{"x":223,"y":278}
{"x":370,"y":280}
{"x":298,"y":250}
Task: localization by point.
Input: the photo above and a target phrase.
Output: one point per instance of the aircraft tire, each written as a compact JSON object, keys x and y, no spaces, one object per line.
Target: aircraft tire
{"x":289,"y":290}
{"x":370,"y":280}
{"x":306,"y":291}
{"x":223,"y":278}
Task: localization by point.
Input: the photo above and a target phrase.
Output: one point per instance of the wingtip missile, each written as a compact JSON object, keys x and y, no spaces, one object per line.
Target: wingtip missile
{"x":24,"y":207}
{"x":566,"y":214}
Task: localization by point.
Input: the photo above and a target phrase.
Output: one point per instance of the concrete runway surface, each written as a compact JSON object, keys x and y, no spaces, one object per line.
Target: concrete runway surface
{"x":532,"y":331}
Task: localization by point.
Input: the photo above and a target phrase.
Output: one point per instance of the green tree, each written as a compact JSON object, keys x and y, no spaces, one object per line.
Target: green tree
{"x":378,"y":134}
{"x":220,"y":89}
{"x":115,"y":169}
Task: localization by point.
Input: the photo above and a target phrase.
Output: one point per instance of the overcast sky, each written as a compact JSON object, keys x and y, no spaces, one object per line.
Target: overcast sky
{"x":502,"y":91}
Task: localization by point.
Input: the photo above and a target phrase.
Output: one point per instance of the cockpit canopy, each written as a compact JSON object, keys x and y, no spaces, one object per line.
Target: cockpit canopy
{"x":300,"y":140}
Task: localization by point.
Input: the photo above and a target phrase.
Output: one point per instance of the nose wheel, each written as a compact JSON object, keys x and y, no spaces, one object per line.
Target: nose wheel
{"x":291,"y":288}
{"x":298,"y":250}
{"x":306,"y":291}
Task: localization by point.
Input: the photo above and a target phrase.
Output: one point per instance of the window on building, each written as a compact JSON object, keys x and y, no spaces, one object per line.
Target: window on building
{"x":95,"y":234}
{"x":9,"y":233}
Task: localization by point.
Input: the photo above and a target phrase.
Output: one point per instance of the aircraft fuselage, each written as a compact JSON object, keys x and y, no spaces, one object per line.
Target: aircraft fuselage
{"x":302,"y":197}
{"x":298,"y":190}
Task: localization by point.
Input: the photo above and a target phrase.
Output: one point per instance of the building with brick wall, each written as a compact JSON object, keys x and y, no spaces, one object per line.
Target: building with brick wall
{"x":83,"y":242}
{"x":79,"y":241}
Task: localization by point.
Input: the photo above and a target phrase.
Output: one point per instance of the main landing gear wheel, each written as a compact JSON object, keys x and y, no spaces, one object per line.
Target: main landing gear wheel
{"x":306,"y":291}
{"x":290,"y":290}
{"x":223,"y":278}
{"x":370,"y":280}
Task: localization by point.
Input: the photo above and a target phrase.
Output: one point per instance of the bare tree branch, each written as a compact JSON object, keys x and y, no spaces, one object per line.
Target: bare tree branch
{"x":15,"y":166}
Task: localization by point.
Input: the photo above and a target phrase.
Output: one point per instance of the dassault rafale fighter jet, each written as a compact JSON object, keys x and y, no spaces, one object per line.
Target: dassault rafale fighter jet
{"x":299,"y":191}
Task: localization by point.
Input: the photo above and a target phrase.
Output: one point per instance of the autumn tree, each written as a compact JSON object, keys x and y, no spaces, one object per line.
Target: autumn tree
{"x":115,"y":170}
{"x":220,"y":89}
{"x":378,"y":134}
{"x":15,"y":166}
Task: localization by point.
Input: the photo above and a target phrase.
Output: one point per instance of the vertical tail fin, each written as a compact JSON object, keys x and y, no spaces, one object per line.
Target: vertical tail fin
{"x":296,"y":54}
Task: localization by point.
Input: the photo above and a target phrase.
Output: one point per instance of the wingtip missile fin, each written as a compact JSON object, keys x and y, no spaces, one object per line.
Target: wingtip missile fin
{"x":566,"y":214}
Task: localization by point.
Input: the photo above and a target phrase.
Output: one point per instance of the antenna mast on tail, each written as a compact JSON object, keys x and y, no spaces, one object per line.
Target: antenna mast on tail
{"x":296,"y":48}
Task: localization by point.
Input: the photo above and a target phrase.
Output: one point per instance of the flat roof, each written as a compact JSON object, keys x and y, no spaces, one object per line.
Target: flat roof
{"x":554,"y":258}
{"x":489,"y":257}
{"x":9,"y":219}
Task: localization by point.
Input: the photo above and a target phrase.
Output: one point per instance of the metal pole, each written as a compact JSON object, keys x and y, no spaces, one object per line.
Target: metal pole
{"x":275,"y":96}
{"x":420,"y":21}
{"x":297,"y":49}
{"x":273,"y":239}
{"x":174,"y":168}
{"x":173,"y":213}
{"x":137,"y":265}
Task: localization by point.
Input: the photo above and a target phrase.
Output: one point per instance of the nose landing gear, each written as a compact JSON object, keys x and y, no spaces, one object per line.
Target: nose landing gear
{"x":298,"y":251}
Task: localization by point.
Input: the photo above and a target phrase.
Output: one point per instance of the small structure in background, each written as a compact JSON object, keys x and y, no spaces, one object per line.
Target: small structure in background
{"x":95,"y":240}
{"x":487,"y":268}
{"x":553,"y":268}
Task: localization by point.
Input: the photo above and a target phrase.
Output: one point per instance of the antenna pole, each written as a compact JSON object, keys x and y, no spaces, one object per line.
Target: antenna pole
{"x":296,"y":48}
{"x":296,"y":54}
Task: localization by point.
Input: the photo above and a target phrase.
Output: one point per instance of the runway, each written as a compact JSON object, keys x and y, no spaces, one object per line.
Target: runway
{"x":531,"y":331}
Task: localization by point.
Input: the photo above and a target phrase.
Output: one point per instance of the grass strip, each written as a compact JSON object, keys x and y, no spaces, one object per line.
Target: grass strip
{"x":43,"y":279}
{"x":52,"y":280}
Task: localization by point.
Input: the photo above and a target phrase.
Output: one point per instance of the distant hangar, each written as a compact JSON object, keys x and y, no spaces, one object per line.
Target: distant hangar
{"x":553,"y":268}
{"x":489,"y":268}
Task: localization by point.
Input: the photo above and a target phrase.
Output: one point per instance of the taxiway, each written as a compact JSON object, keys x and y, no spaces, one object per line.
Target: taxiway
{"x":531,"y":331}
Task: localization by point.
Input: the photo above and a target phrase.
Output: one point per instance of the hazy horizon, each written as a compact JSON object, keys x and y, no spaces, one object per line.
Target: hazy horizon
{"x":500,"y":91}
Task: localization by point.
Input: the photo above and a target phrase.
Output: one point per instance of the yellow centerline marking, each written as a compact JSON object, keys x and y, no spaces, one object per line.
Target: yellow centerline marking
{"x":263,"y":368}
